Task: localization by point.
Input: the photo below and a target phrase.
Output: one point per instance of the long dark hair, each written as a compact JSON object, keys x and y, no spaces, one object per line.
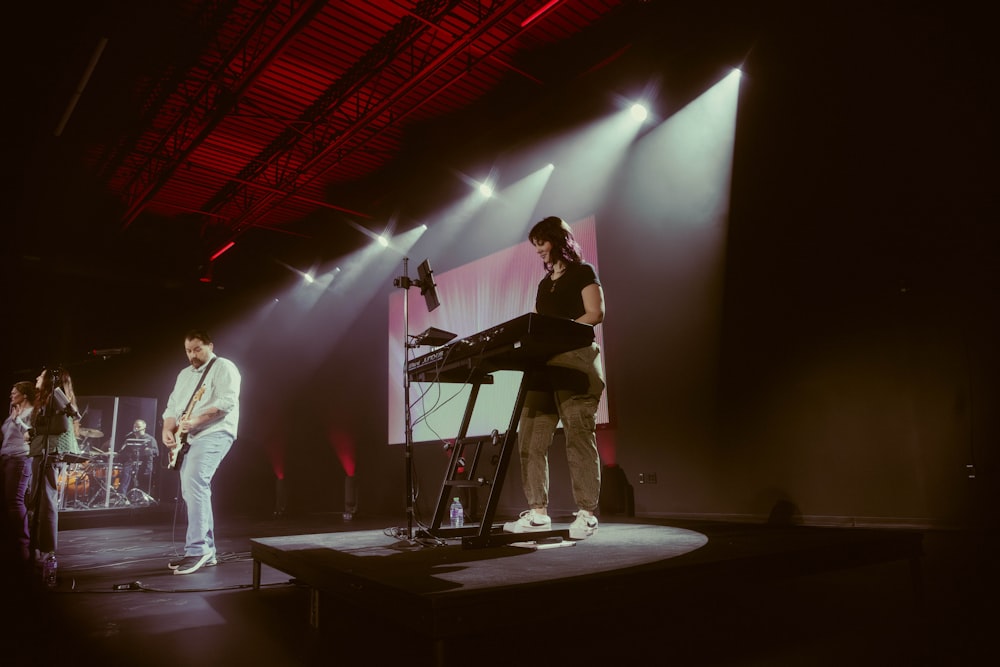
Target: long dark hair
{"x":557,"y":232}
{"x":52,"y":378}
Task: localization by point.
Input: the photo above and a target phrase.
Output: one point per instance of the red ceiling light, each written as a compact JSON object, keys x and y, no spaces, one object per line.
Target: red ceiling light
{"x":221,"y":250}
{"x":535,"y":16}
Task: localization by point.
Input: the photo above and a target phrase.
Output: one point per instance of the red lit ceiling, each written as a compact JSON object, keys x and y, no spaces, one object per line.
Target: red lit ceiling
{"x":272,"y":104}
{"x":286,"y":124}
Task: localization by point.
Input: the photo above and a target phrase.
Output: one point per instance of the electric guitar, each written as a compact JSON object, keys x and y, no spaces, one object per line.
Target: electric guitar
{"x":177,"y":452}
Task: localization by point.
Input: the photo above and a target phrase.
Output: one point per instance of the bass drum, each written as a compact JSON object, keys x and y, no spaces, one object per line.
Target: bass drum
{"x":74,"y":487}
{"x":100,"y":472}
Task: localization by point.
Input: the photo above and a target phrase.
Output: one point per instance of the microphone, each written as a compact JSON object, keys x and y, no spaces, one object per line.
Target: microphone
{"x":63,"y":401}
{"x":110,"y":352}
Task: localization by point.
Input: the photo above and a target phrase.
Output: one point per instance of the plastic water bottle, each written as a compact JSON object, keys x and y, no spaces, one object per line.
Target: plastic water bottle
{"x":457,"y":513}
{"x":49,"y":570}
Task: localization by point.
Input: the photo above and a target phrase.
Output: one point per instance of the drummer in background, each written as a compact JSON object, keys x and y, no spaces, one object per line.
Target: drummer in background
{"x":138,"y":454}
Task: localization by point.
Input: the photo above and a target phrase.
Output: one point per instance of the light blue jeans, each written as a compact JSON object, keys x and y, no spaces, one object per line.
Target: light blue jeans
{"x":569,"y":390}
{"x":197,"y":470}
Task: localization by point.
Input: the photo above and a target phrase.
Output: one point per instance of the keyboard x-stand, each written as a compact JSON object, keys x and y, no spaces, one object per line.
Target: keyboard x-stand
{"x":522,"y":344}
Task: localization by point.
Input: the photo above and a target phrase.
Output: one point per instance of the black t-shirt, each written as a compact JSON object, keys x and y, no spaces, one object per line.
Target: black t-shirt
{"x":564,"y":297}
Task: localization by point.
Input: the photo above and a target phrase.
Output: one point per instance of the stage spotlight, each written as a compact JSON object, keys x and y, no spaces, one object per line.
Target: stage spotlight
{"x":639,"y":112}
{"x":486,"y":190}
{"x":308,"y":277}
{"x":350,"y":498}
{"x":280,"y":497}
{"x":382,"y":240}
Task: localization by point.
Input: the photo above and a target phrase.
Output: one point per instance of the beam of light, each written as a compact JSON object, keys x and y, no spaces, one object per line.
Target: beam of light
{"x":377,"y":237}
{"x":276,"y":448}
{"x":452,"y":215}
{"x":497,"y":222}
{"x":682,"y":168}
{"x":344,"y":447}
{"x":640,"y":105}
{"x":308,"y":291}
{"x":587,"y":160}
{"x":403,"y":242}
{"x":485,"y":186}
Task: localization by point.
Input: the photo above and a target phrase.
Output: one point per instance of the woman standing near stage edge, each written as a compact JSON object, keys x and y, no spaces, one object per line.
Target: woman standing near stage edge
{"x":53,"y":433}
{"x":15,"y":470}
{"x":569,"y":389}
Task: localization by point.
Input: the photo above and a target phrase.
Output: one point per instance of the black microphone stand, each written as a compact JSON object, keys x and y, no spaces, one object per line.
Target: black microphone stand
{"x":426,"y":285}
{"x":405,"y":283}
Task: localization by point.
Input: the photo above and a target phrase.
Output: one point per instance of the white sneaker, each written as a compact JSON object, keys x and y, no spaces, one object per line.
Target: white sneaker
{"x":583,"y":527}
{"x":530,"y":521}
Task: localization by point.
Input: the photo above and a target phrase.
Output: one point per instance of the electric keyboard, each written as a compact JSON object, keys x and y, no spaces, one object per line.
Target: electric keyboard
{"x":517,"y":345}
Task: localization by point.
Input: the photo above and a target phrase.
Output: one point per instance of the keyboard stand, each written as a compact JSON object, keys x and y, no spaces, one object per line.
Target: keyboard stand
{"x":474,"y":453}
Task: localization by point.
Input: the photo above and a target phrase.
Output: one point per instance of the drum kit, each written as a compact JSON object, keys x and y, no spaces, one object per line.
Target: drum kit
{"x":87,"y":483}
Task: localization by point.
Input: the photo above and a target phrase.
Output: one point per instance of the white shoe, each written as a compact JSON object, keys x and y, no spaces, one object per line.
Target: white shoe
{"x":530,"y":521}
{"x":190,"y":564}
{"x":583,"y":527}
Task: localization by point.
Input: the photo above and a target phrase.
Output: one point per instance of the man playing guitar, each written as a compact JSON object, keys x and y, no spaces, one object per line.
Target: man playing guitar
{"x":199,"y":427}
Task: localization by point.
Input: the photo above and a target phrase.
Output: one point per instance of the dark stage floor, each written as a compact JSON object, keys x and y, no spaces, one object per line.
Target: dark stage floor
{"x":650,"y":591}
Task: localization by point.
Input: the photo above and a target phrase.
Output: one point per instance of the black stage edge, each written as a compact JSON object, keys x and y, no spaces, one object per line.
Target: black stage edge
{"x":445,"y":601}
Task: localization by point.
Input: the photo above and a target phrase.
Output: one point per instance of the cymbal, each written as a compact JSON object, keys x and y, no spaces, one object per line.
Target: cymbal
{"x":97,"y":452}
{"x":91,"y":433}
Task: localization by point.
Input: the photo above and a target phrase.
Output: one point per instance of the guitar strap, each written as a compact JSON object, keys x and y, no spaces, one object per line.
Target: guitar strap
{"x":174,"y":460}
{"x":198,"y":386}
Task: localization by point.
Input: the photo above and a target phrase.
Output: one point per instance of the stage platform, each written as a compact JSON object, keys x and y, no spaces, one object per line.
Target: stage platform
{"x":446,"y":602}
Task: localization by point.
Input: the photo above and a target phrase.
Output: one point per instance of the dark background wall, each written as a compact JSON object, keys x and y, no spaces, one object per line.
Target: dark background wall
{"x":829,"y":345}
